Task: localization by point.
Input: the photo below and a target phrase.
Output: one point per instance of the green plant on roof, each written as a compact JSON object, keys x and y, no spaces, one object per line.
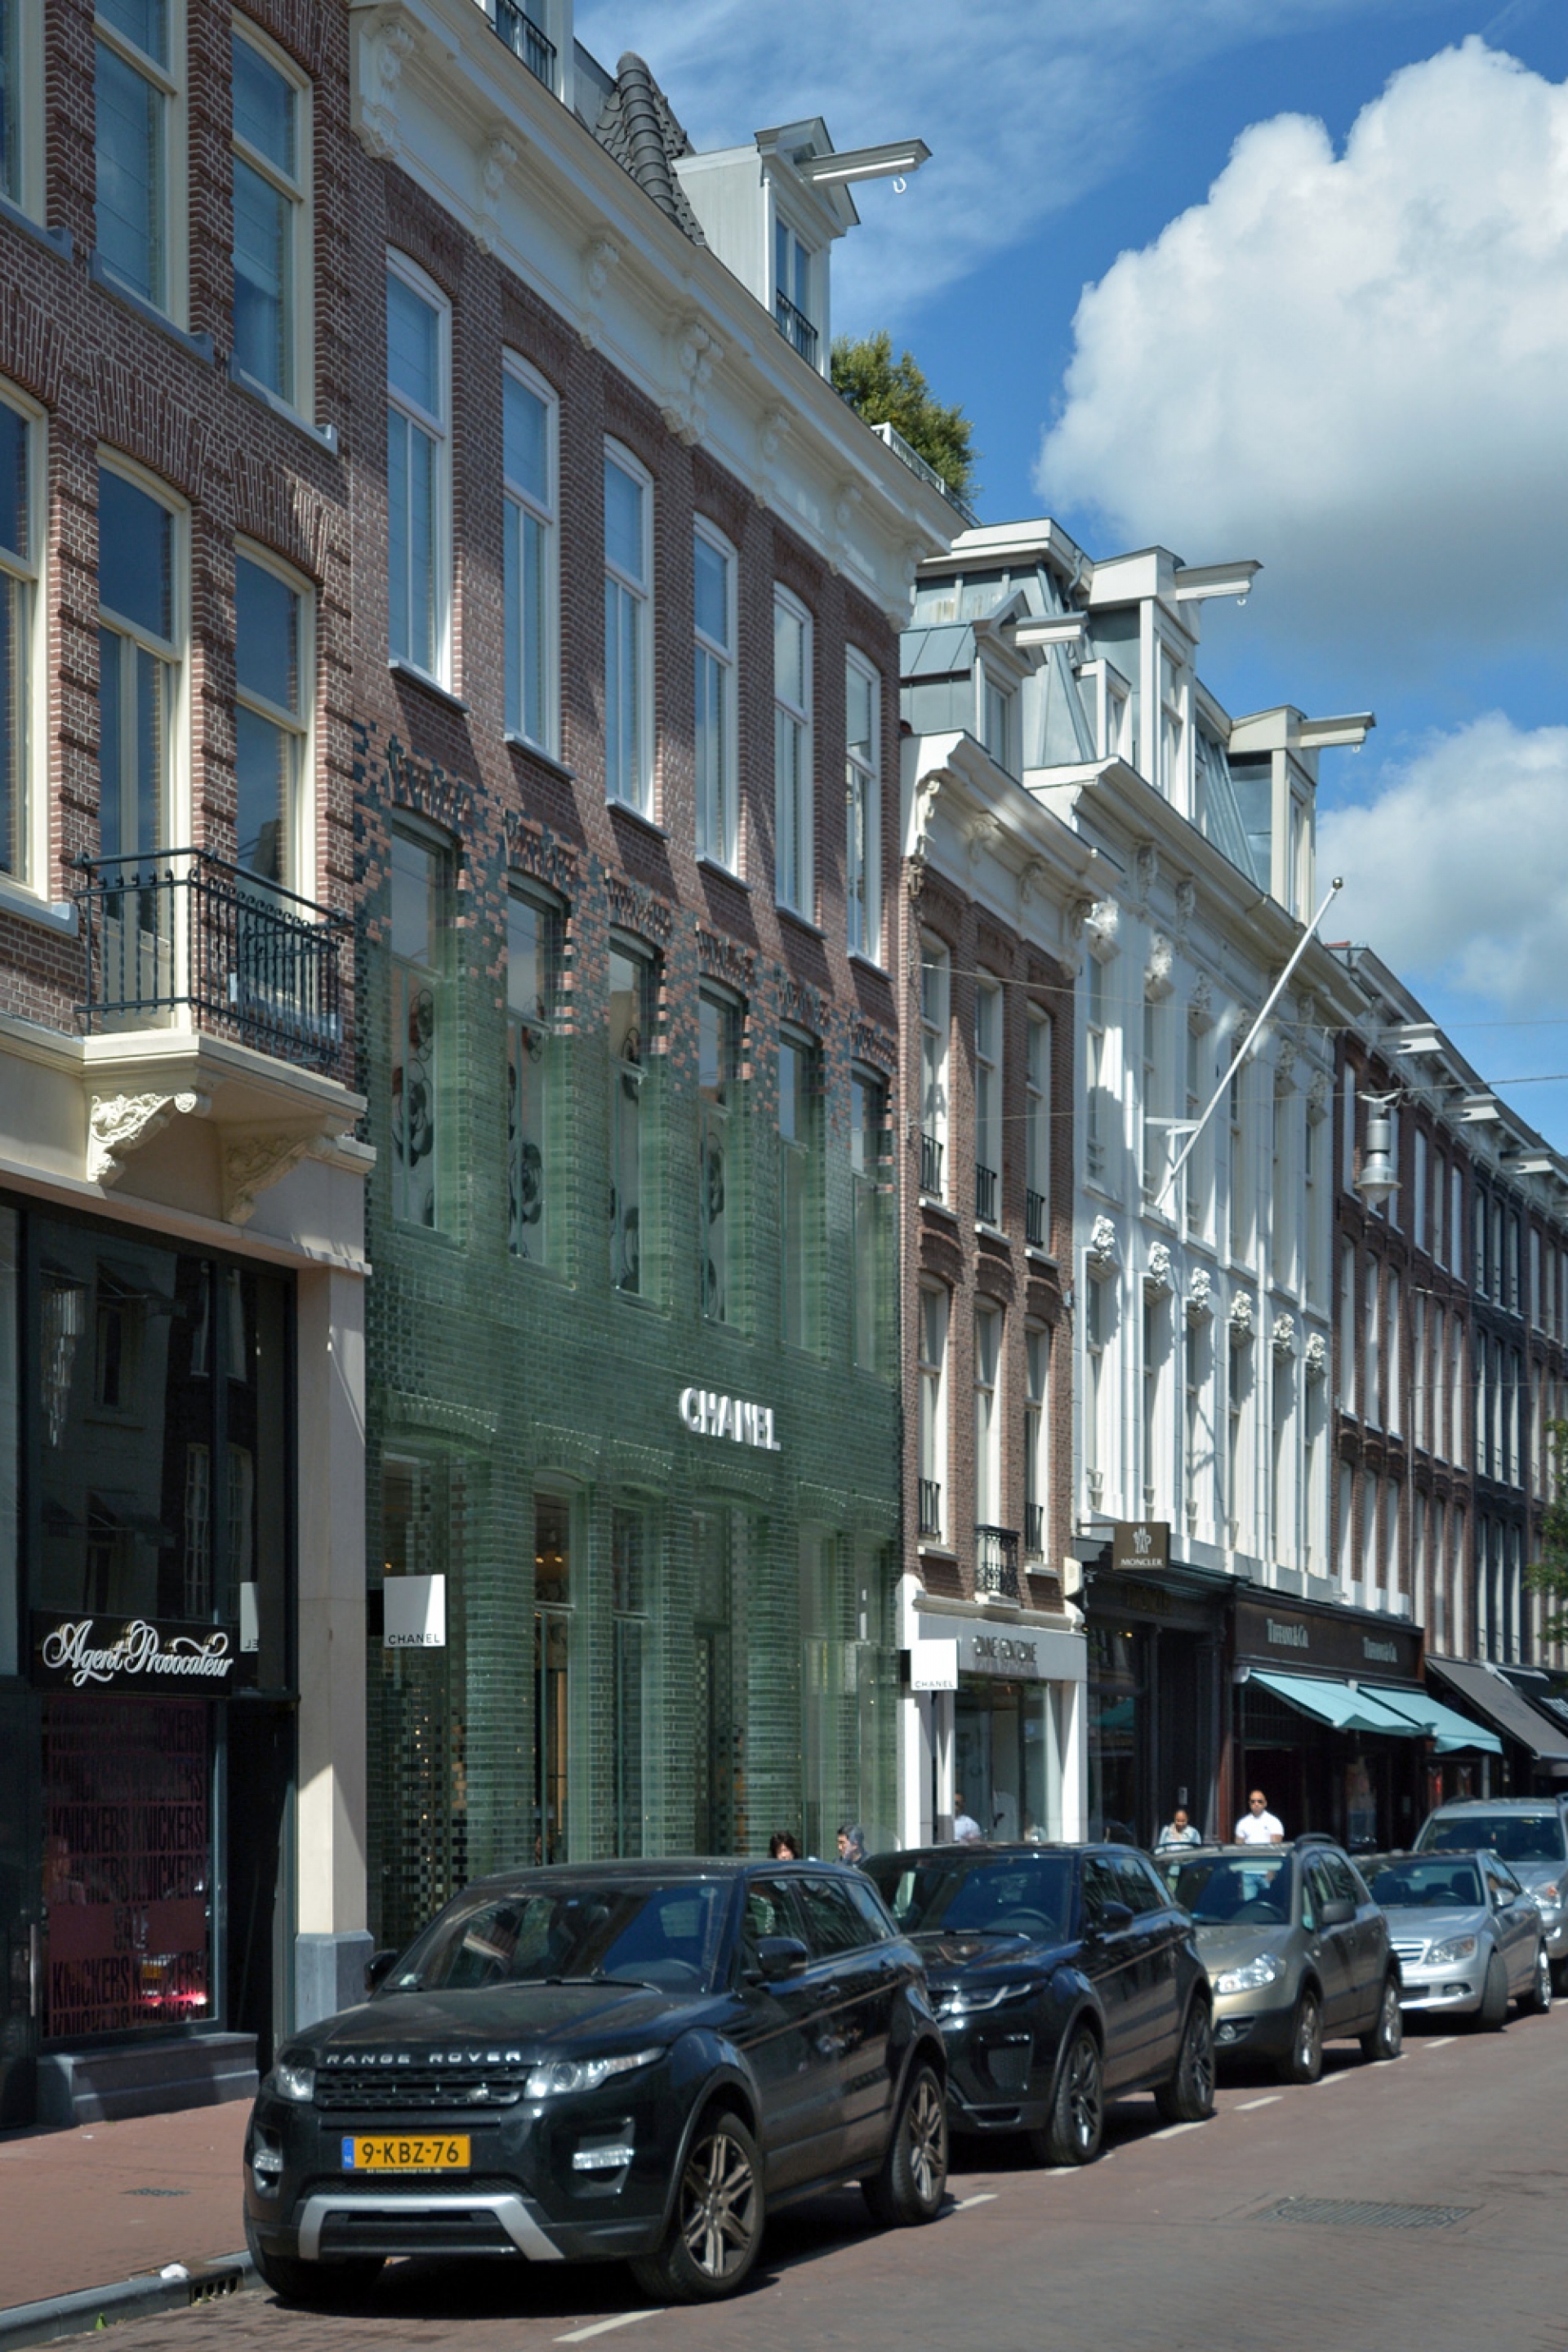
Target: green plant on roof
{"x":888,"y":391}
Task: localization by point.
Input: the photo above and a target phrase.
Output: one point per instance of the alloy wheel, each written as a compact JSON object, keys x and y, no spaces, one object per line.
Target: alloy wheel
{"x":1200,"y":2059}
{"x":717,"y":2205}
{"x":1085,"y":2095}
{"x":1309,"y":2035}
{"x":926,"y":2124}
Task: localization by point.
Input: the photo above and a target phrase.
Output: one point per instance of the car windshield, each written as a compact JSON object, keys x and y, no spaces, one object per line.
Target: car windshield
{"x":666,"y":1936}
{"x":1226,"y":1890}
{"x":1006,"y":1895}
{"x":1516,"y":1837}
{"x":1424,"y":1885}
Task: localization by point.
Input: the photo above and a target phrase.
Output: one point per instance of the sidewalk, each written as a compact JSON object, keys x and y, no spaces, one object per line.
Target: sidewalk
{"x":111,"y":2203}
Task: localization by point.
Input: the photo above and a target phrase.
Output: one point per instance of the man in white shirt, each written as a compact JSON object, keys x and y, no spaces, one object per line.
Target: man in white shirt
{"x":1257,"y":1825}
{"x":964,"y":1826}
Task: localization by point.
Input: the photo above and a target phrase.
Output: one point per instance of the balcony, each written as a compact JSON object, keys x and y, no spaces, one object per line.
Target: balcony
{"x":987,"y":1187}
{"x":931,"y":1508}
{"x":996,"y":1562}
{"x":178,"y":939}
{"x":522,"y":36}
{"x":930,"y":1165}
{"x":891,"y":438}
{"x":795,"y":328}
{"x":1036,"y":1222}
{"x":1034,"y":1530}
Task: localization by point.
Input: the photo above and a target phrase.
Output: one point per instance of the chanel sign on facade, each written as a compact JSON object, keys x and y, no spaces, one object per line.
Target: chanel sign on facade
{"x":708,"y":1415}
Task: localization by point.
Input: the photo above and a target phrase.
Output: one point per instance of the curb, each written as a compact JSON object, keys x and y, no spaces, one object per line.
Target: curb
{"x":132,"y":2298}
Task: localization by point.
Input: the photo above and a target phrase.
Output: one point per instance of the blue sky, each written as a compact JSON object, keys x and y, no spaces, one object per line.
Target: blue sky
{"x":1286,"y":280}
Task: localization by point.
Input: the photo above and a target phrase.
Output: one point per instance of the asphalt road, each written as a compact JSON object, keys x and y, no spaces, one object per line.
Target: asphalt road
{"x":1455,"y":2157}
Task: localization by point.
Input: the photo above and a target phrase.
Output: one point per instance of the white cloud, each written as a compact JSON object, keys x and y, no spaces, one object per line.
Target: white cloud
{"x":1352,"y":366}
{"x":1457,"y":867}
{"x":1026,"y":104}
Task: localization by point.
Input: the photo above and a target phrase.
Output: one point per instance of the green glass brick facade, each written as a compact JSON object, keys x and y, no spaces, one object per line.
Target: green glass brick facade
{"x":657,"y":1639}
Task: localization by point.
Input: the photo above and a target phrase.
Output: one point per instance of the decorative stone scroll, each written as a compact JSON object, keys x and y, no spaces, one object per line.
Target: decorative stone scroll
{"x":119,"y":1125}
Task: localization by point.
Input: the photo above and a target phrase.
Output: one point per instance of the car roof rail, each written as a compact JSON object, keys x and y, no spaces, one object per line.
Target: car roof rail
{"x":1314,"y":1837}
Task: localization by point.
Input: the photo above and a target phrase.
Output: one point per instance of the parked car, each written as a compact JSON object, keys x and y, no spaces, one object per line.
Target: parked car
{"x":1531,"y":1834}
{"x":1469,"y":1935}
{"x":1061,"y":1975}
{"x":635,"y":2060}
{"x":1297,"y":1951}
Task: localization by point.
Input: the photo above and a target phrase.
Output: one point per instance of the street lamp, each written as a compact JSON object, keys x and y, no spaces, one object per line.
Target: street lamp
{"x":1375,"y":1178}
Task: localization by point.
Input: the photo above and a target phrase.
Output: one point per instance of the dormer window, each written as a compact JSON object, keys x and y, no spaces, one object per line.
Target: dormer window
{"x":792,"y":291}
{"x":999,"y":722}
{"x":523,"y":26}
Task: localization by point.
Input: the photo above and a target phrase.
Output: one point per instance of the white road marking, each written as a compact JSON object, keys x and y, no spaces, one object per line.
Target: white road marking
{"x":603,"y":2326}
{"x":1327,"y":2081}
{"x":1175,"y":2131}
{"x":985,"y":2197}
{"x":1447,"y":2043}
{"x":1246,"y":2105}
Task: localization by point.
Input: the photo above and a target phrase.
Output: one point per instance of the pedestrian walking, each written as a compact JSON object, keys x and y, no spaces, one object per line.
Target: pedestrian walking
{"x":964,"y":1826}
{"x":784,"y":1847}
{"x":1257,"y":1825}
{"x":1178,"y":1830}
{"x":852,"y":1843}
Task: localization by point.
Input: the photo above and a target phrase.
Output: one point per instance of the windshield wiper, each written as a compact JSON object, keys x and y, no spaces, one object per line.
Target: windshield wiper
{"x":641,"y":1984}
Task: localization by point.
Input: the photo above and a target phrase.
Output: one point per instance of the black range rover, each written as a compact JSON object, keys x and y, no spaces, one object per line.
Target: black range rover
{"x":627,"y":2061}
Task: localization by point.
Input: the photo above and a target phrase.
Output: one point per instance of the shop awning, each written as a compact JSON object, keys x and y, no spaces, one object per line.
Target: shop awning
{"x":1450,"y":1731}
{"x":1336,"y":1704}
{"x":1499,"y":1701}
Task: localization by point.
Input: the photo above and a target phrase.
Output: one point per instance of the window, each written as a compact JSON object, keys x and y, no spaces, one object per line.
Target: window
{"x":987,"y":1416}
{"x":271,"y":183}
{"x":1419,"y":1187}
{"x":632,"y":1013}
{"x":932,"y":1339}
{"x":1439,"y":1202}
{"x":867,"y":1148}
{"x":418,"y":495}
{"x":1455,"y":1217}
{"x":1369,"y":1534}
{"x":1156,"y":1132}
{"x":863,"y":808}
{"x":628,"y":632}
{"x":1098,"y":1120}
{"x":1096,"y":1327}
{"x":987,"y":1101}
{"x":1197,"y":1436}
{"x":998,"y":729}
{"x":631,"y":1602}
{"x":936,"y":966}
{"x":718,"y":772}
{"x":552,"y":1675}
{"x":798,"y":1190}
{"x":1347,"y":1115}
{"x":20,"y":541}
{"x":1237,"y":1486}
{"x":792,"y":291}
{"x":140,"y":628}
{"x":272,"y":715}
{"x":1418,"y":1367}
{"x":719,"y":1058}
{"x":1156,"y":1328}
{"x":1283,"y":1190}
{"x":1240,"y":1189}
{"x":1282,"y":1382}
{"x":1349,"y":1366}
{"x":1037,"y":1380}
{"x":794,"y":837}
{"x":1195,"y":1174}
{"x":421,"y":891}
{"x":1394,"y":1416}
{"x":1312,"y":1205}
{"x":136,"y":96}
{"x":533,"y":944}
{"x":15,"y":119}
{"x":1372,"y":1400}
{"x":528,"y":415}
{"x":1038,"y":1130}
{"x":1172,"y":726}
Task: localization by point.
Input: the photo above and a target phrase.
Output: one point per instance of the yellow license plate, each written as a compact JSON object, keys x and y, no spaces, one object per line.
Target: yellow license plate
{"x":444,"y":2154}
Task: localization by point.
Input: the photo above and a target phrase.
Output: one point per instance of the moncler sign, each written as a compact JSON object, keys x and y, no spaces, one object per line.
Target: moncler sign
{"x":132,"y":1654}
{"x":1140,"y":1545}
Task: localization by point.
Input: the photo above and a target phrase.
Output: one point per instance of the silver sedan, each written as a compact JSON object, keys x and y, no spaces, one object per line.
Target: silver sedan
{"x":1470,"y":1938}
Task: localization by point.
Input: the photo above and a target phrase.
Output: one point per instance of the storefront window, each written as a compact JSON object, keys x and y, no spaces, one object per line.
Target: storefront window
{"x":10,"y":1440}
{"x":418,"y":1825}
{"x":1007,"y":1758}
{"x":1116,"y":1688}
{"x":632,"y":1601}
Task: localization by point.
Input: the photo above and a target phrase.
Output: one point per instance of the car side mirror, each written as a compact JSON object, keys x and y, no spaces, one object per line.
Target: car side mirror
{"x":377,"y":1968}
{"x":1113,"y":1919}
{"x":1338,"y":1912}
{"x":779,"y":1956}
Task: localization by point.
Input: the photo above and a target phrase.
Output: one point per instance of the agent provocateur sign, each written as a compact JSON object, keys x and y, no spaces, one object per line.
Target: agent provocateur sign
{"x":130,"y":1654}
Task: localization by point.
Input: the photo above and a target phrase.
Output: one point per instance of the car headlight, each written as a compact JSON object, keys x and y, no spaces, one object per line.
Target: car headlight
{"x":969,"y":2000}
{"x":1549,"y":1897}
{"x":1458,"y":1948}
{"x":294,"y":2078}
{"x":1253,"y":1976}
{"x":564,"y":2074}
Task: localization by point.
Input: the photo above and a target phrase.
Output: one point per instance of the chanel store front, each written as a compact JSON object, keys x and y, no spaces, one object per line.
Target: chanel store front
{"x":146,"y":1715}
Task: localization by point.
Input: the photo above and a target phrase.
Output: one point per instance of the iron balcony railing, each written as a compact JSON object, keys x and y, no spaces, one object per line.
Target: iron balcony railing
{"x":987,"y":1187}
{"x":930,"y":1165}
{"x":931,"y":1507}
{"x":1035,"y":1219}
{"x":177,"y":937}
{"x":996,"y":1562}
{"x":1034,"y":1529}
{"x":894,"y":440}
{"x":522,"y":36}
{"x":796,"y":327}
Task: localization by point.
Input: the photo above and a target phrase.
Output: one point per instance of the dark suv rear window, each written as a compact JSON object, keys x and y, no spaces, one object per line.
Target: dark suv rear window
{"x":1514,"y":1837}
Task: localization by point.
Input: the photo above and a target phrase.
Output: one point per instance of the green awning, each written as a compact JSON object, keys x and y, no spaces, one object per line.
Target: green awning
{"x":1450,"y":1731}
{"x":1336,"y":1703}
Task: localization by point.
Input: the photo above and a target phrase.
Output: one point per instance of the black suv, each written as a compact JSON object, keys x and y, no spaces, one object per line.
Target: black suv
{"x":625,"y":2060}
{"x":1297,"y":1950}
{"x":1061,"y":1974}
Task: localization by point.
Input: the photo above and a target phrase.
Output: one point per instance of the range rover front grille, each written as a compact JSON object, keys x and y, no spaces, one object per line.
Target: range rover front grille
{"x":420,"y":2090}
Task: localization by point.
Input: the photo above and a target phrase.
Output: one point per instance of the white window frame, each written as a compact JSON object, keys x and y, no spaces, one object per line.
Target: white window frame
{"x":1039,"y":1046}
{"x":635,"y":791}
{"x":300,"y":394}
{"x":936,"y":1052}
{"x":1036,"y":1434}
{"x":724,"y":852}
{"x":996,"y":716}
{"x":517,"y":495}
{"x":439,"y":430}
{"x":1098,"y":1099}
{"x":863,"y":821}
{"x":990,"y":1024}
{"x":1171,"y":678}
{"x":26,"y":185}
{"x":299,"y":863}
{"x":988,"y":1408}
{"x":31,"y":821}
{"x":174,"y":820}
{"x":931,"y":1469}
{"x":170,"y":82}
{"x":808,"y":310}
{"x":1097,"y":1373}
{"x":794,"y":883}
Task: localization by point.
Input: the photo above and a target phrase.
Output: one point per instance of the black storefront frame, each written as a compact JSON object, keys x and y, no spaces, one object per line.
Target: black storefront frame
{"x":235,"y":1715}
{"x":1191,"y":1605}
